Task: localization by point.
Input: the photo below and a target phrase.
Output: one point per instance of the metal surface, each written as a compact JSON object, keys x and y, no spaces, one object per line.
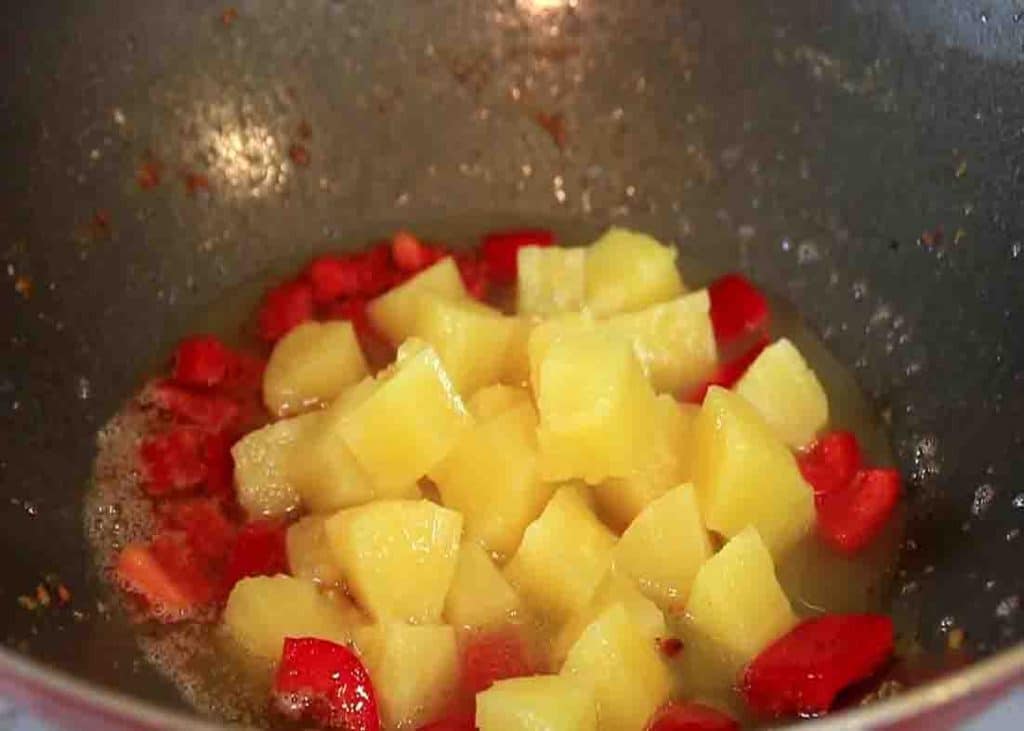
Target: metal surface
{"x":865,"y":159}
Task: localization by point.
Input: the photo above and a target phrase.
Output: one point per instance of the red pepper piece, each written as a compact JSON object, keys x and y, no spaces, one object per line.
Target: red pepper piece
{"x":259,"y":550}
{"x":327,"y":683}
{"x":377,"y":270}
{"x":172,"y":462}
{"x":137,"y":571}
{"x":677,"y":716}
{"x":285,"y":307}
{"x":670,"y":646}
{"x":500,"y":250}
{"x":201,"y":360}
{"x":460,"y":722}
{"x":245,"y":373}
{"x":220,"y":466}
{"x":728,"y":373}
{"x":208,"y":531}
{"x":412,"y":255}
{"x":801,"y":672}
{"x":851,"y":518}
{"x":474,"y":274}
{"x":491,"y":656}
{"x":333,"y":277}
{"x":185,"y":569}
{"x":737,"y":308}
{"x":207,"y":410}
{"x":353,"y":310}
{"x":830,"y":463}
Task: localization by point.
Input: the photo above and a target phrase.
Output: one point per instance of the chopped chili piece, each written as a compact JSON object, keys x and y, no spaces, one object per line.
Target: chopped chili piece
{"x":172,"y":462}
{"x":207,"y":410}
{"x":201,"y":360}
{"x":284,"y":308}
{"x":207,"y":528}
{"x":258,"y":550}
{"x":737,"y":308}
{"x":474,"y":274}
{"x":849,"y":519}
{"x":831,"y":462}
{"x":412,"y":255}
{"x":500,"y":250}
{"x":333,"y":277}
{"x":493,"y":655}
{"x":676,"y":716}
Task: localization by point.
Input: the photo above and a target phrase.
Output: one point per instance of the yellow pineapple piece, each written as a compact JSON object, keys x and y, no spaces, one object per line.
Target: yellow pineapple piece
{"x":394,"y":313}
{"x":536,"y":703}
{"x":408,"y":424}
{"x":414,"y":670}
{"x":309,"y":555}
{"x":595,"y":409}
{"x":479,"y":595}
{"x":312,"y":365}
{"x":667,"y":462}
{"x":665,"y":547}
{"x":745,"y":476}
{"x":674,"y":341}
{"x":491,"y":478}
{"x":736,"y":601}
{"x":624,"y":669}
{"x":263,"y":610}
{"x":263,"y":480}
{"x":493,"y":400}
{"x":786,"y":393}
{"x":548,"y":332}
{"x":472,"y":339}
{"x":550,"y":280}
{"x":398,"y":556}
{"x":516,"y":371}
{"x":627,"y":271}
{"x":562,"y":557}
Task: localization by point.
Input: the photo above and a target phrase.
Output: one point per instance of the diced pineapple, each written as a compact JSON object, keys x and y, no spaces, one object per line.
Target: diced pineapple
{"x":491,"y":478}
{"x":545,"y":334}
{"x":736,"y":601}
{"x":624,"y":669}
{"x":745,"y":476}
{"x":613,"y":589}
{"x":493,"y":400}
{"x":667,"y":462}
{"x":414,"y":670}
{"x":517,"y":359}
{"x":550,"y":280}
{"x":398,"y":556}
{"x":665,"y":547}
{"x":479,"y":595}
{"x":536,"y":703}
{"x":394,"y":313}
{"x":595,"y":409}
{"x":264,"y":482}
{"x":472,"y":339}
{"x":673,"y":340}
{"x":627,"y":271}
{"x":563,"y":556}
{"x":408,"y":424}
{"x":311,"y":365}
{"x":261,"y":611}
{"x":786,"y":392}
{"x":309,"y":555}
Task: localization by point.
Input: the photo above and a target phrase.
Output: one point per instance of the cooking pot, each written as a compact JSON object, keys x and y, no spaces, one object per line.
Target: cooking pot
{"x":862,"y":158}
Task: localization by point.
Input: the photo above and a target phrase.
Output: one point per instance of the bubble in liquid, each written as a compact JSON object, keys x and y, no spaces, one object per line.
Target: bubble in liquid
{"x":1008,"y":606}
{"x":926,"y":461}
{"x":1018,"y":501}
{"x":983,"y":498}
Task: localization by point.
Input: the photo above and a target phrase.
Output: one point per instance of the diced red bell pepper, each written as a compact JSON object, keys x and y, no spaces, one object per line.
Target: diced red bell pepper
{"x":676,"y":716}
{"x":831,"y":462}
{"x":259,"y":550}
{"x":412,"y":255}
{"x":201,"y":360}
{"x":220,"y":466}
{"x":500,"y":250}
{"x":460,"y":722}
{"x":353,"y":310}
{"x":326,"y":682}
{"x":802,"y":672}
{"x":848,"y":520}
{"x":173,"y":461}
{"x":377,"y":270}
{"x":474,"y":274}
{"x":245,"y":373}
{"x":493,"y":655}
{"x":284,"y":308}
{"x":334,"y":277}
{"x":138,"y":572}
{"x":207,"y":529}
{"x":737,"y":308}
{"x":175,"y":554}
{"x":727,"y":374}
{"x":211,"y":411}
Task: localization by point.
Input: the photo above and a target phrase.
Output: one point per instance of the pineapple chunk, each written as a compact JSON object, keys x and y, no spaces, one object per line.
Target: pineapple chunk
{"x":394,"y":313}
{"x":624,"y":669}
{"x":537,"y":703}
{"x":309,"y":555}
{"x":414,"y":670}
{"x":312,"y":365}
{"x":263,"y":479}
{"x":745,"y":476}
{"x":563,"y":556}
{"x":472,"y":339}
{"x":787,"y":394}
{"x":493,"y":400}
{"x":398,"y":556}
{"x":613,"y":589}
{"x":665,"y":547}
{"x":545,"y":334}
{"x":627,"y":271}
{"x":673,"y":340}
{"x":667,"y":462}
{"x":408,"y":424}
{"x":517,"y":360}
{"x":736,"y":601}
{"x":550,"y":280}
{"x":262,"y":610}
{"x":479,"y":595}
{"x":491,"y":478}
{"x":595,"y":409}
